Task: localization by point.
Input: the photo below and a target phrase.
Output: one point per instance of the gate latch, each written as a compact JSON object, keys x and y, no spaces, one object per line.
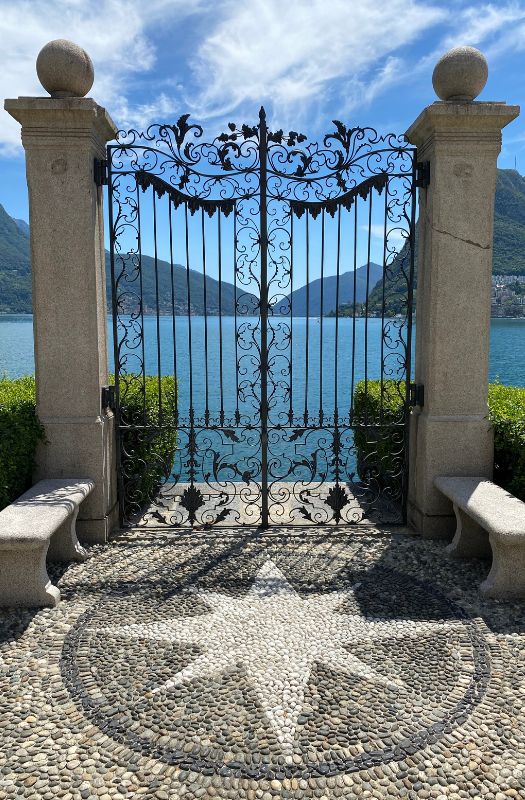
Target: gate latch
{"x":108,"y":398}
{"x":100,"y":172}
{"x":417,"y":394}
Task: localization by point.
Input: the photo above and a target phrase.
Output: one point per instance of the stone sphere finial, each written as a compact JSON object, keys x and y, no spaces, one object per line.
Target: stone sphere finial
{"x":64,"y":69}
{"x":460,"y":74}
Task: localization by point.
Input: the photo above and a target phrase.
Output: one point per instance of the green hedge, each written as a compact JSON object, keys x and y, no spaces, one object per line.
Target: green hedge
{"x":20,"y":432}
{"x":147,"y":460}
{"x":379,"y":433}
{"x":147,"y":454}
{"x":507,"y":414}
{"x":378,"y":454}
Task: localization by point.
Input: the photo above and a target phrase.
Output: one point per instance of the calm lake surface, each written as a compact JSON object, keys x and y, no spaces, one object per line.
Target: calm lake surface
{"x":507,"y":346}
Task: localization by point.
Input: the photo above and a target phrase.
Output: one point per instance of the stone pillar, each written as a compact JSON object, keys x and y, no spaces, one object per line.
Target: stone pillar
{"x":62,"y":135}
{"x":451,"y":434}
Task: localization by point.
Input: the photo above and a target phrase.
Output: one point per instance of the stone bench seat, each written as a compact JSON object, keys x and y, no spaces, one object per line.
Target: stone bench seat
{"x":40,"y":523}
{"x":489,"y":520}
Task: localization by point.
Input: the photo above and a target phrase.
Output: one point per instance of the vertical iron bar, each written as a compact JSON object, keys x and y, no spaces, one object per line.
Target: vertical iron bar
{"x":191,"y":444}
{"x":142,"y":344}
{"x":173,"y":325}
{"x":143,"y":347}
{"x":205,"y":297}
{"x":116,"y":359}
{"x":157,"y":309}
{"x":221,"y":382}
{"x":263,"y":311}
{"x":321,"y":309}
{"x":336,"y":348}
{"x":382,"y":365}
{"x":366,"y":303}
{"x":307,"y":316}
{"x":237,"y":366}
{"x":352,"y":384}
{"x":290,"y":412}
{"x":408,"y":355}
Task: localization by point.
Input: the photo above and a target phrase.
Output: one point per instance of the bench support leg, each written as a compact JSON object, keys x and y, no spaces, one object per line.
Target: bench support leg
{"x":470,"y":539}
{"x":24,"y":580}
{"x":506,"y":578}
{"x":64,"y":545}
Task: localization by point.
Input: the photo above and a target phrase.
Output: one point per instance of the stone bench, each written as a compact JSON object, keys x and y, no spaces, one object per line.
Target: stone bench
{"x":489,"y":519}
{"x":40,"y":523}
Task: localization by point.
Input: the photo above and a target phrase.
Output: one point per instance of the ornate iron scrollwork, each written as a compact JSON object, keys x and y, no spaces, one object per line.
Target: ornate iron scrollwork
{"x":258,"y":440}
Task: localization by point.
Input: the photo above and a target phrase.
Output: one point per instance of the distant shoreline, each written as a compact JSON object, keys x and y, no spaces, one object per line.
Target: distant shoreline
{"x":250,"y":316}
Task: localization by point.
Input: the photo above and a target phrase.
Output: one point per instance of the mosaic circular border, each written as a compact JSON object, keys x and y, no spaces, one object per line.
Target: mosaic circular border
{"x":189,"y":761}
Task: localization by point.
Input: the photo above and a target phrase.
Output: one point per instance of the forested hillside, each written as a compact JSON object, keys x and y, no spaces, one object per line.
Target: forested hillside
{"x":509,"y":258}
{"x":509,"y":224}
{"x":301,"y":299}
{"x":15,"y":280}
{"x":509,"y":245}
{"x":248,"y":302}
{"x":15,"y":266}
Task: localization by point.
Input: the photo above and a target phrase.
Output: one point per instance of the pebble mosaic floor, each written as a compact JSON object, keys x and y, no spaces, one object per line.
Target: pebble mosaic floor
{"x":290,"y":664}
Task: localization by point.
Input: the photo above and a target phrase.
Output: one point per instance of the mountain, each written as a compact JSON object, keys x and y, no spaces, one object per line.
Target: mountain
{"x":509,"y":244}
{"x":346,"y":292}
{"x":394,"y":296}
{"x":15,"y":280}
{"x":248,"y":301}
{"x":22,"y":225}
{"x":15,"y":267}
{"x":509,"y":224}
{"x":509,"y":258}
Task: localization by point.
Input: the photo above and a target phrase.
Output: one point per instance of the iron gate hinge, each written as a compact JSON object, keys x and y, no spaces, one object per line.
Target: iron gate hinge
{"x":100,"y":172}
{"x":417,"y":394}
{"x":108,"y":397}
{"x":422,"y":174}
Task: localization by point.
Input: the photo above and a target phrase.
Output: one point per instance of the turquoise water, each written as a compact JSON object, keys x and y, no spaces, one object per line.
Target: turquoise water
{"x":507,"y":345}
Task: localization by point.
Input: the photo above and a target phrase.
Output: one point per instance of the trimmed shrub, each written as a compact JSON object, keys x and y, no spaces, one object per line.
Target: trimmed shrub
{"x":507,"y":414}
{"x":147,"y":459}
{"x":149,"y":444}
{"x":20,"y":432}
{"x":381,"y":452}
{"x":379,"y":433}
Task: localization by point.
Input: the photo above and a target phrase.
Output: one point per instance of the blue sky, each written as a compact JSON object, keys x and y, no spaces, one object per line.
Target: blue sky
{"x":308,"y":61}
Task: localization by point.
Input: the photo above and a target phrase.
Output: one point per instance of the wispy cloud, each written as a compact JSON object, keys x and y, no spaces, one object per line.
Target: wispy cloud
{"x":298,"y":58}
{"x":293,"y":54}
{"x":496,"y":28}
{"x":495,"y":25}
{"x":396,"y":236}
{"x":114,"y":33}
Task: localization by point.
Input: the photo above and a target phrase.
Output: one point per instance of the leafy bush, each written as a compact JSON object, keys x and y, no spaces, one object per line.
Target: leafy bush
{"x":148,"y":454}
{"x":20,"y":432}
{"x":379,"y":433}
{"x":506,"y":412}
{"x":149,"y":438}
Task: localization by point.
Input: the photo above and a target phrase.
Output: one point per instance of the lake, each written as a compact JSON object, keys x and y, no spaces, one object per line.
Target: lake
{"x":507,"y":344}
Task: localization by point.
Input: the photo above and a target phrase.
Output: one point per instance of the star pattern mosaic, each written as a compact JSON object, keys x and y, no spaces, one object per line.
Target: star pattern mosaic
{"x":271,"y":667}
{"x":277,"y":637}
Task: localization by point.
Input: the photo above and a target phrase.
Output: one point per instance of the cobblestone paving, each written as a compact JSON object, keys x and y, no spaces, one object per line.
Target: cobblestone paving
{"x":290,"y":664}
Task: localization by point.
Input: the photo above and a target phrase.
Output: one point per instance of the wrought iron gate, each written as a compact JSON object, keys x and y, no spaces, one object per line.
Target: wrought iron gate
{"x":262,"y":310}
